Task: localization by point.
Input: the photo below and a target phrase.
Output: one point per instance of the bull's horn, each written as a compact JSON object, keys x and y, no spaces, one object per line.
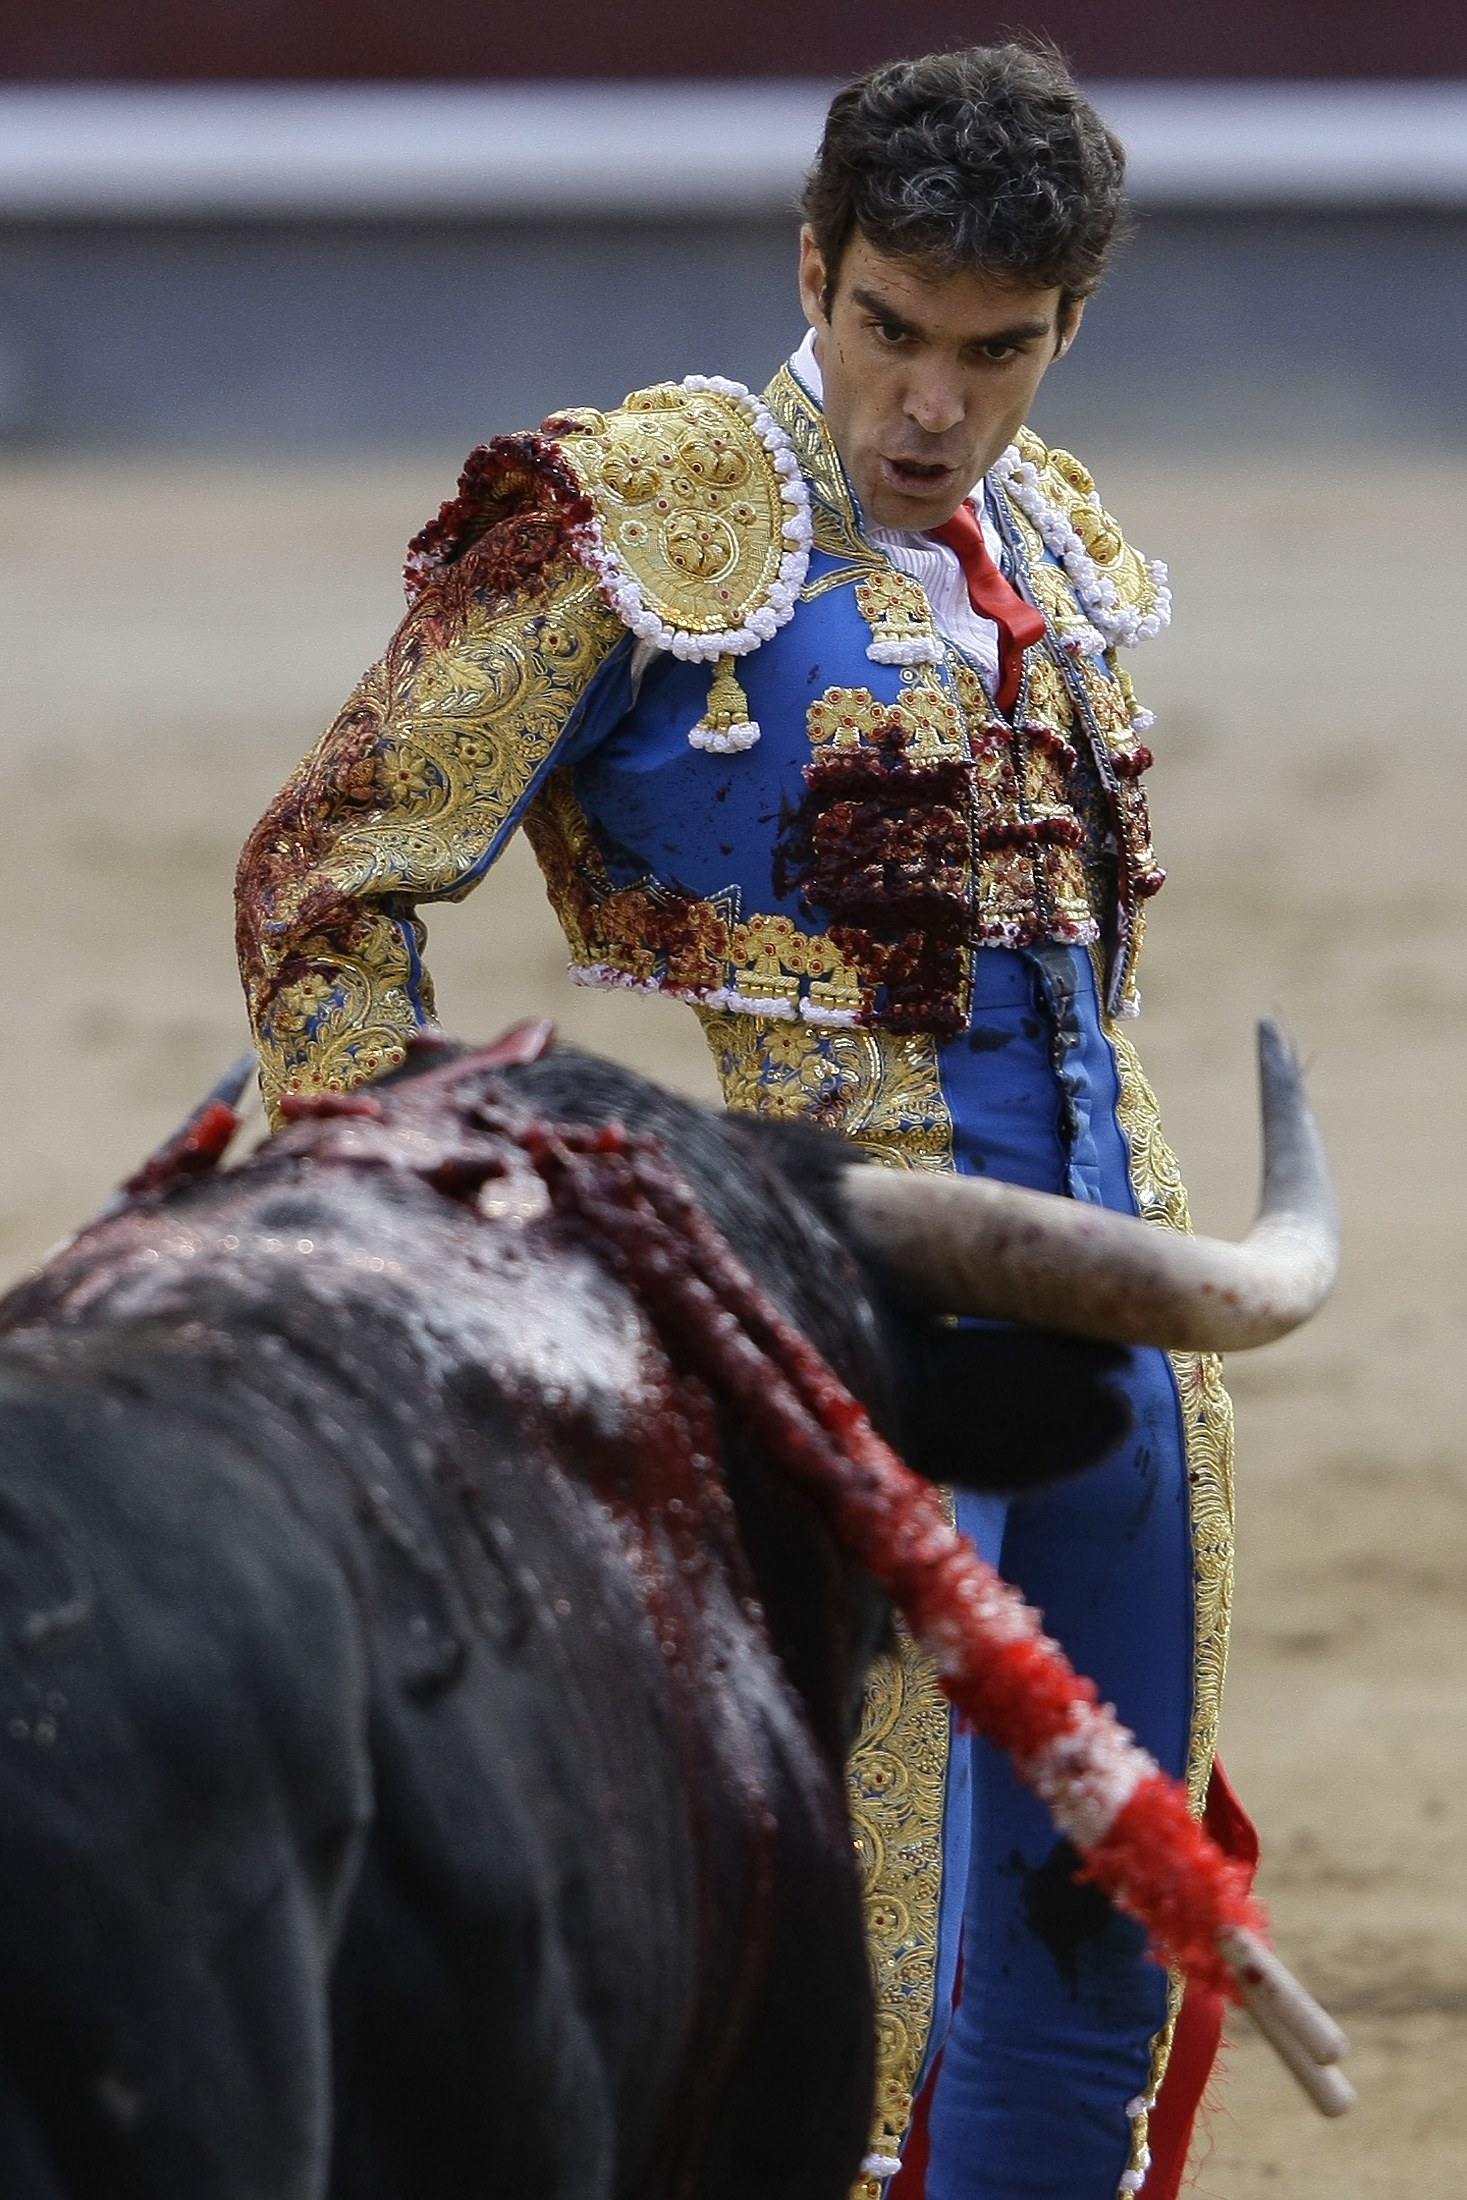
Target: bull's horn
{"x":966,"y":1245}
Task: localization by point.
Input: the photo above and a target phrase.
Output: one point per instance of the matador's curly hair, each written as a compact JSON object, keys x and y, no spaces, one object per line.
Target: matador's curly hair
{"x":988,"y":158}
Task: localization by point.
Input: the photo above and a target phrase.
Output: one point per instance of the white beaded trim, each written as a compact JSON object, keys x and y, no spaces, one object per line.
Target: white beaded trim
{"x":1099,"y":598}
{"x":918,"y":649}
{"x":776,"y":1007}
{"x":607,"y":974}
{"x":722,"y":996}
{"x":1007,"y":932}
{"x":726,"y":743}
{"x":625,"y":597}
{"x":881,"y":2166}
{"x":1137,"y":2112}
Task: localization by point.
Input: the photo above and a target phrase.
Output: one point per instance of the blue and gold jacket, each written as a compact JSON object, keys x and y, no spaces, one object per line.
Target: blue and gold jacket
{"x":755,"y":778}
{"x":791,"y":805}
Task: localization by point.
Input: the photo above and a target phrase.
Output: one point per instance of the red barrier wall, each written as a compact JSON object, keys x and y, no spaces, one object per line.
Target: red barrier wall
{"x":325,"y":40}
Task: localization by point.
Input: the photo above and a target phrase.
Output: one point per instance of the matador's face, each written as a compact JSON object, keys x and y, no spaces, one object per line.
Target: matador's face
{"x":927,"y":377}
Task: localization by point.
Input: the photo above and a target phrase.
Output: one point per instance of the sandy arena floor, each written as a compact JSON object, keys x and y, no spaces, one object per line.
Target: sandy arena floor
{"x":174,"y":637}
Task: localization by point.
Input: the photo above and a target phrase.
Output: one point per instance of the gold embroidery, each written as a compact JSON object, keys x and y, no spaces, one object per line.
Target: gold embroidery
{"x":880,"y":1088}
{"x":1056,"y":598}
{"x":570,"y":862}
{"x":666,"y":941}
{"x":849,"y":718}
{"x":1113,"y":703}
{"x":895,"y":607}
{"x":1109,"y":694}
{"x":1206,"y":1416}
{"x":1031,"y":881}
{"x":1207,"y":1428}
{"x":688,"y":499}
{"x":837,"y":576}
{"x":1156,"y":1178}
{"x":347,"y":1019}
{"x":1105,"y":707}
{"x":1026,"y":888}
{"x":1050,"y":700}
{"x":727,"y":705}
{"x":770,"y":955}
{"x":674,"y":942}
{"x":402,"y":801}
{"x":836,"y":517}
{"x":1207,"y":1420}
{"x":762,"y":958}
{"x":1065,"y":484}
{"x":897,"y":1780}
{"x":464,"y":731}
{"x":1126,"y":700}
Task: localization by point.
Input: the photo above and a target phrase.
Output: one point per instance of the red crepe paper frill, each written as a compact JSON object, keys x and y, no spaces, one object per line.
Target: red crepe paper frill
{"x":1005,"y":1676}
{"x":193,"y":1151}
{"x":516,"y":477}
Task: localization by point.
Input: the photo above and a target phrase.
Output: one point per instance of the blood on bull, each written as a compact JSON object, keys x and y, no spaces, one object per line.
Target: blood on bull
{"x":429,"y":1649}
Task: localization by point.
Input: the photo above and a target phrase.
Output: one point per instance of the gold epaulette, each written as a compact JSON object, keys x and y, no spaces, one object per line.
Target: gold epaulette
{"x":1068,"y":489}
{"x":702,"y":526}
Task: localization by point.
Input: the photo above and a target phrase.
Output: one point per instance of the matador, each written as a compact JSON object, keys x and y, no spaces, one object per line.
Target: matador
{"x":811,"y":705}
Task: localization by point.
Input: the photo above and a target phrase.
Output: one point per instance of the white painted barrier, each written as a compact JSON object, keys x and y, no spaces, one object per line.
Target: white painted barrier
{"x":663,"y":151}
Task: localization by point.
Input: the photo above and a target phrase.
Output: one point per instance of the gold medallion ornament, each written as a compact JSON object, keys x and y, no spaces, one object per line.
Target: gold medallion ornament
{"x":896,"y":609}
{"x":702,"y":529}
{"x":928,"y":719}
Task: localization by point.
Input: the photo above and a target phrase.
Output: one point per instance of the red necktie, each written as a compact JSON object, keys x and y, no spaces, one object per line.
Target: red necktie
{"x":992,"y":597}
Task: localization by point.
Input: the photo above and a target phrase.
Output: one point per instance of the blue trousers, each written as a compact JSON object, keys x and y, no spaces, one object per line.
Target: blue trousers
{"x":1050,"y":2041}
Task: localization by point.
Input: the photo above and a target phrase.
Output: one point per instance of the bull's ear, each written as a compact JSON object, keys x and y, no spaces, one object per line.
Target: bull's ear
{"x":1012,"y":1409}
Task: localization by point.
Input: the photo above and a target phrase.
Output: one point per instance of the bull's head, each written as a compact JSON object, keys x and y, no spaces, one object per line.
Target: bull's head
{"x":397,"y":1306}
{"x":966,"y":1245}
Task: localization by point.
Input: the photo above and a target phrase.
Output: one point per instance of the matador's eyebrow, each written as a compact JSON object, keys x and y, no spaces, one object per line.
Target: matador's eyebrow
{"x":1021,"y":332}
{"x":884,"y":312}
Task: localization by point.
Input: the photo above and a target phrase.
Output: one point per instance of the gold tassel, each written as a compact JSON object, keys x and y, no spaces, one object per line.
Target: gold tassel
{"x":725,"y":725}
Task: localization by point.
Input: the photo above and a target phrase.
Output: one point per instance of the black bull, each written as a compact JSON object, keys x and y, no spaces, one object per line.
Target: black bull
{"x":422,"y":1728}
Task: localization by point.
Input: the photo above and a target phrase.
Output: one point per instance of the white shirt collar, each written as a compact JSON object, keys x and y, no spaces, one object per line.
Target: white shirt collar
{"x":805,"y":367}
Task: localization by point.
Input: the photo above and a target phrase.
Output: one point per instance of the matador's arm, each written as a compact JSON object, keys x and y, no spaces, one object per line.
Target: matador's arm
{"x":680,"y":518}
{"x":501,"y":669}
